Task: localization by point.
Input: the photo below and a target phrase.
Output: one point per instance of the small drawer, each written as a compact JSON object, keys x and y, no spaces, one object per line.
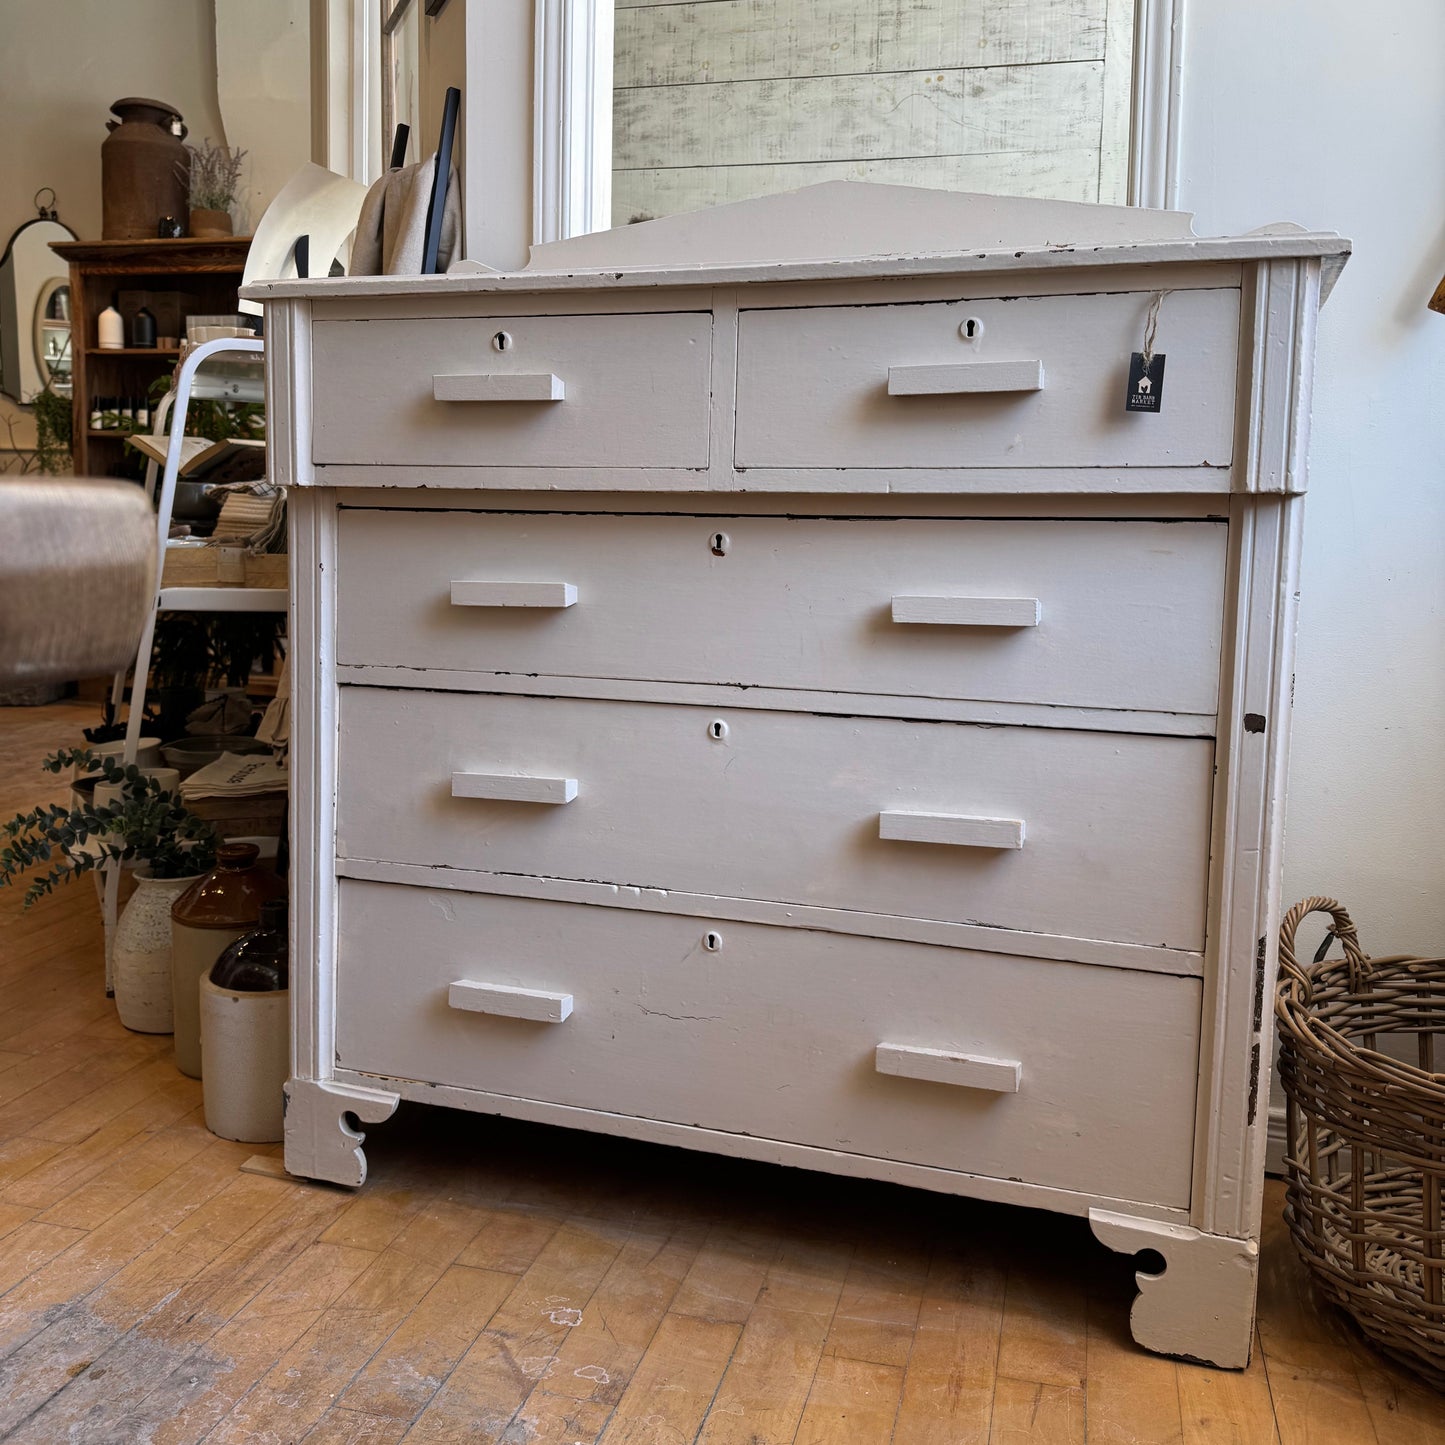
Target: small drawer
{"x":1105,"y":614}
{"x":1079,"y":834}
{"x":1052,"y":1073}
{"x":514,"y":391}
{"x":1041,"y":383}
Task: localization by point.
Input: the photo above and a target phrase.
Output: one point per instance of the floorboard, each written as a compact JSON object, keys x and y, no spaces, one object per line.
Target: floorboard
{"x":519,"y":1285}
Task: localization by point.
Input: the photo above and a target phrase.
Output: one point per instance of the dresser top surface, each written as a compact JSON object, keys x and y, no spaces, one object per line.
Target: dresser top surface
{"x":848,"y":229}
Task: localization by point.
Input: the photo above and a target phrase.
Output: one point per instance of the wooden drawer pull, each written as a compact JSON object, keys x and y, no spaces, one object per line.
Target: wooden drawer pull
{"x":506,"y":1002}
{"x":504,"y":386}
{"x":967,"y":611}
{"x":953,"y":829}
{"x":939,"y":1066}
{"x":513,"y":594}
{"x":965,"y":378}
{"x":513,"y":787}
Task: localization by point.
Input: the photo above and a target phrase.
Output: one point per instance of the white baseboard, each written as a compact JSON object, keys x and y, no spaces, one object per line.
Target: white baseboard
{"x":1274,"y":1147}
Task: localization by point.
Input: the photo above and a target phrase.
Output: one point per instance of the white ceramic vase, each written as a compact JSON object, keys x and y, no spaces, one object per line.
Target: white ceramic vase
{"x":245,"y":1061}
{"x":143,"y":954}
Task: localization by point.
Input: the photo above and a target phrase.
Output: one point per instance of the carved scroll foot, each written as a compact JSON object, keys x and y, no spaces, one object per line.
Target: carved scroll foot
{"x":319,"y":1142}
{"x":1202,"y":1305}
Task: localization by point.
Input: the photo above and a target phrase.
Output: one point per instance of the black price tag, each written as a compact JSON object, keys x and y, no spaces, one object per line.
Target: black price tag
{"x":1146,"y":383}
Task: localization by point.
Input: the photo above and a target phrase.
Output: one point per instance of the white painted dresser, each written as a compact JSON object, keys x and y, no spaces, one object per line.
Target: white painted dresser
{"x":758,"y":689}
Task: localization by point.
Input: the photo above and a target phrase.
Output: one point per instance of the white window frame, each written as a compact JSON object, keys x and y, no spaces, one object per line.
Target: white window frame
{"x":1159,"y":31}
{"x":537,"y":113}
{"x":346,"y":82}
{"x":573,"y":127}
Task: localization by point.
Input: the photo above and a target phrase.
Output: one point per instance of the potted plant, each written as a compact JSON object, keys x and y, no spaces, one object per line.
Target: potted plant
{"x":52,"y":430}
{"x":213,"y":175}
{"x":131,"y":817}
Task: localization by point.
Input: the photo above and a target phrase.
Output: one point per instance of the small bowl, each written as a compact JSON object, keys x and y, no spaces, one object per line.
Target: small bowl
{"x":190,"y":754}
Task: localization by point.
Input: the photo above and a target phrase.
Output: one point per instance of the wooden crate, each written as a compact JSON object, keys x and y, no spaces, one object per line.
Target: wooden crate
{"x":261,"y":816}
{"x":222,"y":567}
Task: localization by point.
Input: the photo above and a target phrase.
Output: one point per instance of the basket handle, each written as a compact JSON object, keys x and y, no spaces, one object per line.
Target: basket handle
{"x":1344,"y":930}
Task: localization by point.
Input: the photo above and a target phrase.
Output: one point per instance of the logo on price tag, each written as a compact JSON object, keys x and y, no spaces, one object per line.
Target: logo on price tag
{"x":1146,"y":382}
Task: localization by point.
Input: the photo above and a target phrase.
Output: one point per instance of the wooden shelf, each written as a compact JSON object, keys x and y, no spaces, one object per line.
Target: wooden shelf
{"x":189,"y":254}
{"x":207,"y":273}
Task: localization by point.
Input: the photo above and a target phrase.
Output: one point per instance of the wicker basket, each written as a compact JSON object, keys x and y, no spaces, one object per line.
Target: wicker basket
{"x":1366,"y":1146}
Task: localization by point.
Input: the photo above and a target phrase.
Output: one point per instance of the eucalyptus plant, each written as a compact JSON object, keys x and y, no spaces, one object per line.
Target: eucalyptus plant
{"x":145,"y":824}
{"x":52,"y":430}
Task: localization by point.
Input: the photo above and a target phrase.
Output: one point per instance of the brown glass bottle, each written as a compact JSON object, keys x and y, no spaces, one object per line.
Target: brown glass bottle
{"x":259,"y":962}
{"x":205,"y":920}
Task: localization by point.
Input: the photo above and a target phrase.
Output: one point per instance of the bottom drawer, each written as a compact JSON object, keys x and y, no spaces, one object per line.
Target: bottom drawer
{"x":812,"y":1038}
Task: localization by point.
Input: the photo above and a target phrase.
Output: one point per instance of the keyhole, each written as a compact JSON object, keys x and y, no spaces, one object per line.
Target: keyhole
{"x":719,"y":544}
{"x":712,"y":941}
{"x":717,"y":730}
{"x":972,"y":329}
{"x":502,"y":341}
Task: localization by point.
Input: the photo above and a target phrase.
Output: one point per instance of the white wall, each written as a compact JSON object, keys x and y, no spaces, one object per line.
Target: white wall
{"x":1314,"y":111}
{"x":263,"y":65}
{"x":63,"y":63}
{"x":61,"y":66}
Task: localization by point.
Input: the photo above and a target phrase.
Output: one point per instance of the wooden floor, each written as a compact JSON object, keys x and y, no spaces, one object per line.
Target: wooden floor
{"x":496,"y":1282}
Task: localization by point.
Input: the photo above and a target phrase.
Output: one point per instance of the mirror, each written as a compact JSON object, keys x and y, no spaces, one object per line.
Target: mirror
{"x":52,"y":333}
{"x":34,"y":311}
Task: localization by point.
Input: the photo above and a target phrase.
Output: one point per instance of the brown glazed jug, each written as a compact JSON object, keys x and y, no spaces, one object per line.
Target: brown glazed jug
{"x":143,"y":170}
{"x":205,"y":920}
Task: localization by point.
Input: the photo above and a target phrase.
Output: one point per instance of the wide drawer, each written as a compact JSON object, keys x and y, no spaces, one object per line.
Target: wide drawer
{"x":1042,"y":384}
{"x":1100,"y":835}
{"x":565,"y":391}
{"x":1069,"y":1076}
{"x":1108,"y":614}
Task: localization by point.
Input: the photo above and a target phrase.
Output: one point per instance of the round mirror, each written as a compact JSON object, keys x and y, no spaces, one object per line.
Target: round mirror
{"x":52,"y":334}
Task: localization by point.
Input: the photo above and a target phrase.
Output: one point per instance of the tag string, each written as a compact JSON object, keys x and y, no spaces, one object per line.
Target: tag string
{"x":1151,"y":326}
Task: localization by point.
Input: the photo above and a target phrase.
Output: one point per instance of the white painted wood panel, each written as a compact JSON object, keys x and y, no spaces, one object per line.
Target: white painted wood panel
{"x":1028,"y":108}
{"x":637,"y":391}
{"x":785,"y":807}
{"x":720,"y":100}
{"x":1068,"y":173}
{"x":832,"y":363}
{"x":1065,"y":949}
{"x":1131,"y":611}
{"x":769,"y":699}
{"x":745,"y":1146}
{"x":776,"y":1034}
{"x":716,"y":41}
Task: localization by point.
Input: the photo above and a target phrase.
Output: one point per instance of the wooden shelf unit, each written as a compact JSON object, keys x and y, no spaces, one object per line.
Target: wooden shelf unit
{"x":207,"y":272}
